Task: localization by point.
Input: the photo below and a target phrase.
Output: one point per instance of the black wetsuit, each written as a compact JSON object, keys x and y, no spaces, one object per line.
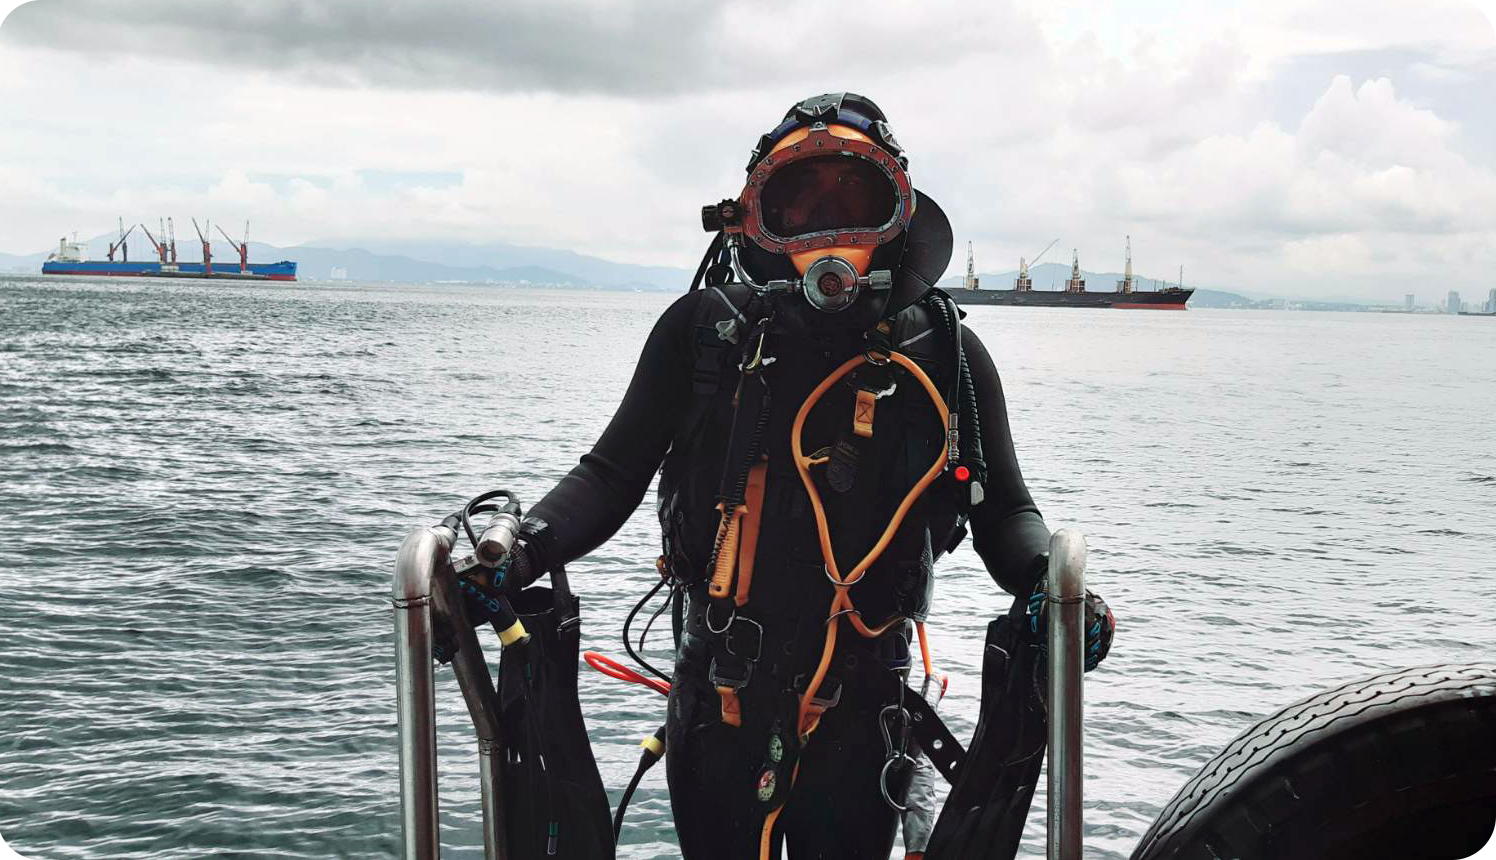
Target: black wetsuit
{"x":835,"y":809}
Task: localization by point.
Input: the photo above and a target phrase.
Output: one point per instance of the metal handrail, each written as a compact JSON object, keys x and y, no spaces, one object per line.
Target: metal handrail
{"x":424,"y":552}
{"x":1066,"y":595}
{"x":425,"y":586}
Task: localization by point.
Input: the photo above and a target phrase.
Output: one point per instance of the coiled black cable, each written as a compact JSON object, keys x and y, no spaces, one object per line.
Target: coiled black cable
{"x":971,"y":419}
{"x":476,"y":506}
{"x":969,"y":423}
{"x":628,"y":622}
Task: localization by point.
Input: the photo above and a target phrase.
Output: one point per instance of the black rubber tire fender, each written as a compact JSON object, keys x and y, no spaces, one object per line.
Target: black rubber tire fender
{"x":1401,"y":765}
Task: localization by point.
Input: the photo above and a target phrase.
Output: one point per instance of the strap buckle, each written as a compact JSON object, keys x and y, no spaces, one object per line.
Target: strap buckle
{"x":734,"y":676}
{"x":822,"y":700}
{"x":742,"y":641}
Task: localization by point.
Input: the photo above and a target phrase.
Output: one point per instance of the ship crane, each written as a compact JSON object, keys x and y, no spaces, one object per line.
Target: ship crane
{"x":241,"y":247}
{"x":171,"y":239}
{"x":1124,"y":286}
{"x":1076,"y":284}
{"x":1025,"y":283}
{"x":120,"y":245}
{"x":159,"y":246}
{"x":207,"y":249}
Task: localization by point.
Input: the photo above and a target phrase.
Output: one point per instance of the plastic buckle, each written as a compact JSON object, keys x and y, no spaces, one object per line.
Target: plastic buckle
{"x":723,"y":676}
{"x":820,"y":699}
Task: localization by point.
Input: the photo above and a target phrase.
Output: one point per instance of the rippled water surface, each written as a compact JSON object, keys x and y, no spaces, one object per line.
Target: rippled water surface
{"x":202,"y":489}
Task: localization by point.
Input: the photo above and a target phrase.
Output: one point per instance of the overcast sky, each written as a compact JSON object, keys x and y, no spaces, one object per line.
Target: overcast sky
{"x":1299,"y":147}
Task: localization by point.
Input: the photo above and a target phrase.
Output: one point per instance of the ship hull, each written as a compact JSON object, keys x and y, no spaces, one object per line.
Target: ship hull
{"x":1169,"y":300}
{"x":285,"y":270}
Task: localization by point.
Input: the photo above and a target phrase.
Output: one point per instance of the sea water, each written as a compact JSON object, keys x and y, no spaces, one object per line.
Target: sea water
{"x":202,"y":487}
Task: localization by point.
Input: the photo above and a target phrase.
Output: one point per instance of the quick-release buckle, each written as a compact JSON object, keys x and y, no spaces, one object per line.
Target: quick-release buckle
{"x":821,"y":699}
{"x":741,"y":642}
{"x":734,"y":677}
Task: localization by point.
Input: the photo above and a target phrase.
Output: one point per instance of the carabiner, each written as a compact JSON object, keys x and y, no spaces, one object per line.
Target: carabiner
{"x":758,"y":362}
{"x":883,"y":781}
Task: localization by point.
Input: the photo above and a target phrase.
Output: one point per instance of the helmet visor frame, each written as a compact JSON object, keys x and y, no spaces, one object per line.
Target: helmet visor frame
{"x":822,"y":144}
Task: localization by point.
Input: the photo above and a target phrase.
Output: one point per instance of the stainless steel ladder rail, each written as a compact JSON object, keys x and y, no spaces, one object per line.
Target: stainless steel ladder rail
{"x":419,"y":588}
{"x":422,"y":554}
{"x":1066,"y":595}
{"x":425,"y":585}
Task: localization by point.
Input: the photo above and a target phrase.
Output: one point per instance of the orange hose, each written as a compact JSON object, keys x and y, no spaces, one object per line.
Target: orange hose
{"x":843,"y":599}
{"x":841,"y":603}
{"x":924,"y":648}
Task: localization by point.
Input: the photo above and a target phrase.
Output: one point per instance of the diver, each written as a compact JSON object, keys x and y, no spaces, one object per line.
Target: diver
{"x":824,"y":429}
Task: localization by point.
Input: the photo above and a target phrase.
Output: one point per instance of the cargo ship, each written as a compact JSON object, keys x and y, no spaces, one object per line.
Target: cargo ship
{"x":69,"y":259}
{"x":1075,"y":294}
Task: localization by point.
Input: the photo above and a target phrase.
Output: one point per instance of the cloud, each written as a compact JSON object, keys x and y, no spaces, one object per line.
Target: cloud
{"x":613,"y":47}
{"x":1199,"y":135}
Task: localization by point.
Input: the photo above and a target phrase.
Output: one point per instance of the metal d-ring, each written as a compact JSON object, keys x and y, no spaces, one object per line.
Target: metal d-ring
{"x":730,"y":619}
{"x":883,"y":781}
{"x":873,"y":358}
{"x":842,"y":583}
{"x":848,"y":611}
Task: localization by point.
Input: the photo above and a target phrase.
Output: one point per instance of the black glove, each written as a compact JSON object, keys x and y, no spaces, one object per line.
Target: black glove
{"x":519,"y":571}
{"x":1101,"y":625}
{"x":481,"y":590}
{"x":482,"y":587}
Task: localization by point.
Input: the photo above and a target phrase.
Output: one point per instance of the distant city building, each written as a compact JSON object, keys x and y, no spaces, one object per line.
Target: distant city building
{"x":1408,"y":302}
{"x":1491,"y":301}
{"x":339,"y":273}
{"x":1452,"y":304}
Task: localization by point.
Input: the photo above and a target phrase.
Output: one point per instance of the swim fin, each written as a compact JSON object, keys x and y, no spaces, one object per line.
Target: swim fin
{"x":984,"y":814}
{"x":554,"y":802}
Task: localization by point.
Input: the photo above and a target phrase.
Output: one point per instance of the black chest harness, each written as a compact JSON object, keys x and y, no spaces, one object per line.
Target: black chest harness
{"x":773,"y":534}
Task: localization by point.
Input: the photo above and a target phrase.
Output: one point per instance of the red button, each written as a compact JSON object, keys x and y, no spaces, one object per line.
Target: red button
{"x":963,"y":474}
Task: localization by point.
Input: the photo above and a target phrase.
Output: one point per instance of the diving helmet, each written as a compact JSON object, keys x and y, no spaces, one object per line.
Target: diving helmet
{"x":825,"y":209}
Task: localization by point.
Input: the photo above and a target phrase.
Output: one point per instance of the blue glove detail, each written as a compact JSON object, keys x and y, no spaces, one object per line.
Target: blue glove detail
{"x":1099,"y":632}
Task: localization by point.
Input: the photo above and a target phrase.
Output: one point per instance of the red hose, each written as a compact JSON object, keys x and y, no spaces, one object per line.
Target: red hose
{"x":614,"y":669}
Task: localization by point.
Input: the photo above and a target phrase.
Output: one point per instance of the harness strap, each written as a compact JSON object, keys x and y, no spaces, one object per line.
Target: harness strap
{"x":744,"y":455}
{"x":753,"y":508}
{"x":935,"y":739}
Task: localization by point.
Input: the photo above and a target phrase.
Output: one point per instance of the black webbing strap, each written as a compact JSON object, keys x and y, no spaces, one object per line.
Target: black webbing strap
{"x":934,"y":737}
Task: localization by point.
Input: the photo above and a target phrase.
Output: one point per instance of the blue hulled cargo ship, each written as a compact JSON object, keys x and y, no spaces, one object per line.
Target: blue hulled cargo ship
{"x":69,"y":259}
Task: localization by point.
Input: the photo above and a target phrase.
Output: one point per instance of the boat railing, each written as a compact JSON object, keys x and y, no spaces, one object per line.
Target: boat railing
{"x":424,"y":582}
{"x":1066,"y":594}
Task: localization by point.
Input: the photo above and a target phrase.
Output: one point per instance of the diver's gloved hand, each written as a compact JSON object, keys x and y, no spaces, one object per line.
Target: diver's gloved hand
{"x":1101,"y":625}
{"x":519,"y":571}
{"x":481,"y":590}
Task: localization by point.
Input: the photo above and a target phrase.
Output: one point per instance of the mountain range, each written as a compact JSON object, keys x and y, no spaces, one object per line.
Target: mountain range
{"x":414,"y":261}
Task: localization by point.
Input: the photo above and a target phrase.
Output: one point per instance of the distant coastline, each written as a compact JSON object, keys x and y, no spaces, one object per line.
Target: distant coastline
{"x":504,"y":265}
